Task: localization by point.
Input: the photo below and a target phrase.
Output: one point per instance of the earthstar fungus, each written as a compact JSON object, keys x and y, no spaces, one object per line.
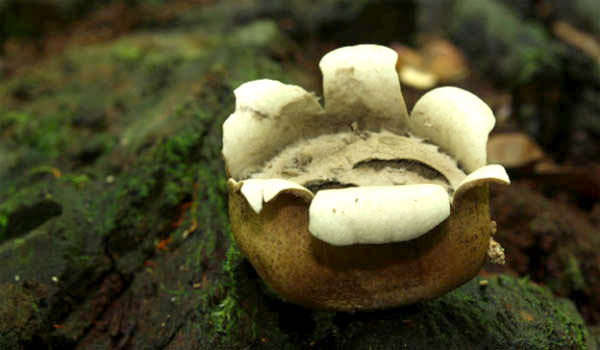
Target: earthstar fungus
{"x":360,"y":205}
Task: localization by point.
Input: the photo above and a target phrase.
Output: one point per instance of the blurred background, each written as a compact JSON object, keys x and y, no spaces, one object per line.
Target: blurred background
{"x":89,"y":86}
{"x":534,"y":61}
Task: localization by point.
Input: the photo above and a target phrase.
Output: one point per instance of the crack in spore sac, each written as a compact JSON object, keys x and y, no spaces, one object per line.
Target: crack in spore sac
{"x":410,"y":165}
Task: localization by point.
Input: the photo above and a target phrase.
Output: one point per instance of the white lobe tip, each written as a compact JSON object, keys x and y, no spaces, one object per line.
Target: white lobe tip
{"x":489,"y":173}
{"x":377,"y":214}
{"x":259,"y":191}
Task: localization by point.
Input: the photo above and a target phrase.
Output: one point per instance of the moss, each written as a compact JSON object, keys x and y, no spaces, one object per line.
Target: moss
{"x":225,"y":317}
{"x":259,"y":33}
{"x":507,"y":313}
{"x":127,"y":53}
{"x":574,"y":275}
{"x":25,"y":210}
{"x":3,"y":226}
{"x":191,"y":170}
{"x":510,"y":50}
{"x":11,"y":118}
{"x":77,"y":180}
{"x":20,"y":317}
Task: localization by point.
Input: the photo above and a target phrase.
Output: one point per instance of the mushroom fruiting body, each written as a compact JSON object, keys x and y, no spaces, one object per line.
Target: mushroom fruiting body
{"x":359,"y":205}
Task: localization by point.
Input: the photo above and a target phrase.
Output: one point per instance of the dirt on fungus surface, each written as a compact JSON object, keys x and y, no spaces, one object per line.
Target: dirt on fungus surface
{"x":113,"y":201}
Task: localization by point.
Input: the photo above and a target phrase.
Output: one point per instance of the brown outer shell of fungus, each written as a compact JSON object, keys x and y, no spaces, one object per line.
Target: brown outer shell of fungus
{"x":307,"y":271}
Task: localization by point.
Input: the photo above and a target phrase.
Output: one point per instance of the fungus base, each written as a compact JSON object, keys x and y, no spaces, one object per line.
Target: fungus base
{"x":313,"y":273}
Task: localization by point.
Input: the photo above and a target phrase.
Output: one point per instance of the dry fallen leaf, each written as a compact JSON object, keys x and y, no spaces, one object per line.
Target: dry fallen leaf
{"x":520,"y":153}
{"x":513,"y":150}
{"x":417,"y":78}
{"x":445,"y":60}
{"x":437,"y":61}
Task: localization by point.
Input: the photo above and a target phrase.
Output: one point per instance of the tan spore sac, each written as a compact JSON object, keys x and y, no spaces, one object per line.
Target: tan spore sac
{"x":363,"y":159}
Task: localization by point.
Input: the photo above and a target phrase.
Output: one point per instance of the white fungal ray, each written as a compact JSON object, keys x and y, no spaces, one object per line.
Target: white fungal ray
{"x":457,"y":121}
{"x":360,"y":84}
{"x":268,"y":116}
{"x":377,"y":214}
{"x":260,"y":191}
